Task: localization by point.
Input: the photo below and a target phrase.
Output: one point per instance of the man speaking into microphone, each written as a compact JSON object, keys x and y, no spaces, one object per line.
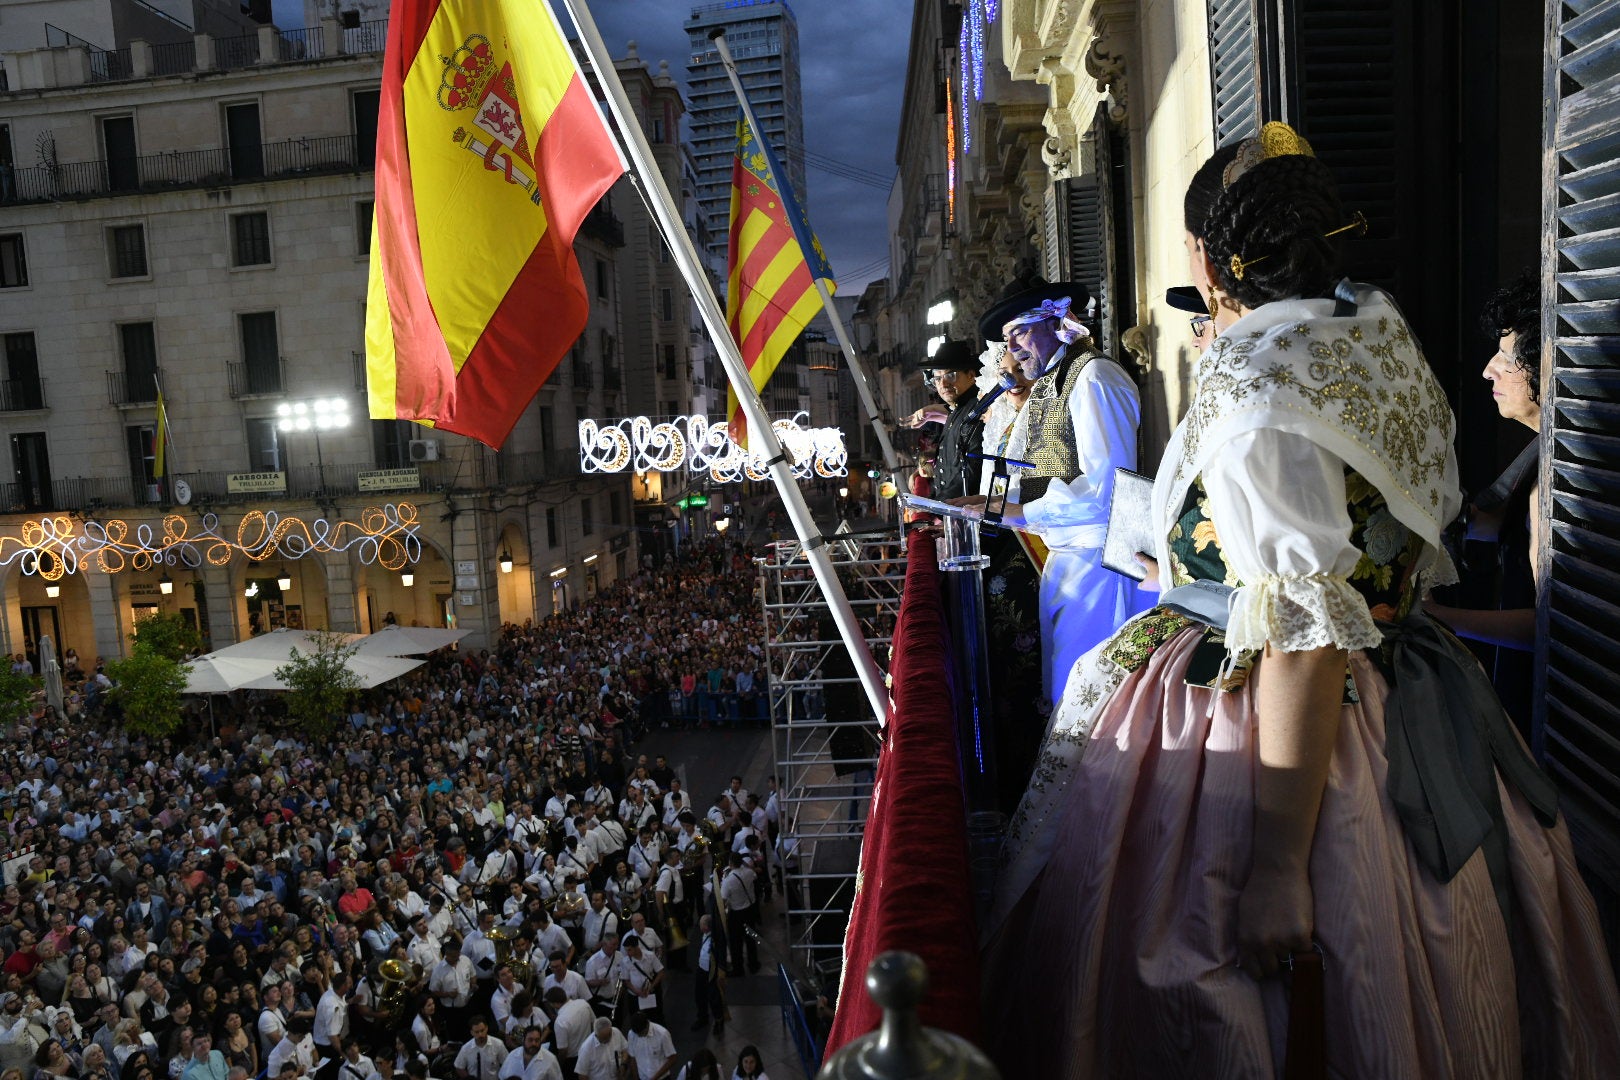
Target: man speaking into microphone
{"x":951,"y":370}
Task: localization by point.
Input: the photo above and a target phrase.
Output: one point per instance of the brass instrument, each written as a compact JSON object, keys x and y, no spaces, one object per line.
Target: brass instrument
{"x":566,"y":905}
{"x":692,"y":857}
{"x":502,"y":937}
{"x":396,"y":991}
{"x":677,"y":938}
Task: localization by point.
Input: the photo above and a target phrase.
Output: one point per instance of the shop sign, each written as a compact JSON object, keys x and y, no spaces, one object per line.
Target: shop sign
{"x":248,"y":483}
{"x":389,"y":480}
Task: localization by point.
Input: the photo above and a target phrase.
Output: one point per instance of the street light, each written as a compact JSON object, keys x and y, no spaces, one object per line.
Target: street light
{"x":321,"y":414}
{"x":53,"y":591}
{"x":843,"y":493}
{"x":166,"y":585}
{"x":407,"y":579}
{"x":284,"y":582}
{"x":722,"y":524}
{"x":506,"y":562}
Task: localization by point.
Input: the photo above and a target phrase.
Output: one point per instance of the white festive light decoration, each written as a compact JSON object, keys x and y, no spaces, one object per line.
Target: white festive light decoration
{"x":53,"y":547}
{"x":701,"y":446}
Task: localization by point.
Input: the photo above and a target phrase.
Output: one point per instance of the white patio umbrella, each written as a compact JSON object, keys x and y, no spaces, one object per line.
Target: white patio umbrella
{"x":215,"y":674}
{"x":371,"y":671}
{"x":275,"y":645}
{"x":408,"y":640}
{"x":52,"y":672}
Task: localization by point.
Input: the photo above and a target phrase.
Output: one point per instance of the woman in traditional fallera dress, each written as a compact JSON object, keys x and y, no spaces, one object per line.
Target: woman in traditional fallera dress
{"x":1330,"y":766}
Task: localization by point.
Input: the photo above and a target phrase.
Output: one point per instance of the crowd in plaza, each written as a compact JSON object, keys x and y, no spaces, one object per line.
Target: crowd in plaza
{"x":476,"y":877}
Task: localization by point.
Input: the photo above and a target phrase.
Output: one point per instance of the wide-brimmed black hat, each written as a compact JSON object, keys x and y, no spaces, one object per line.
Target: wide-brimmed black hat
{"x":1186,"y":298}
{"x":1014,"y":303}
{"x":953,"y":356}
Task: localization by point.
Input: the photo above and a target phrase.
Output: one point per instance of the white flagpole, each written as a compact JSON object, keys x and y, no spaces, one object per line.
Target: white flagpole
{"x":863,"y":380}
{"x":759,"y":423}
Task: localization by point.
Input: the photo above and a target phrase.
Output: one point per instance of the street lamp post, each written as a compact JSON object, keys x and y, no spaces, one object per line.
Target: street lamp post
{"x":318,"y":415}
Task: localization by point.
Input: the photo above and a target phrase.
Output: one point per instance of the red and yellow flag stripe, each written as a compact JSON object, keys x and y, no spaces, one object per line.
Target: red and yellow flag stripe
{"x":490,"y":152}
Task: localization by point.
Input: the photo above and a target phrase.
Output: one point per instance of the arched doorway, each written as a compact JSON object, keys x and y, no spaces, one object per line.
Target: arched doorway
{"x":514,"y":585}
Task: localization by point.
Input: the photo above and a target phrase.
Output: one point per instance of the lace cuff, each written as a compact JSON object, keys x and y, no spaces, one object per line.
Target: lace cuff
{"x":1439,"y":573}
{"x":1300,"y":612}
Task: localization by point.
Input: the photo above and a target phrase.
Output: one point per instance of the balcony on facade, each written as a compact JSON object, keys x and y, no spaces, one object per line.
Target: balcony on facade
{"x":257,"y":379}
{"x":22,"y":395}
{"x":481,"y":471}
{"x":126,"y":389}
{"x":603,"y":226}
{"x":287,"y":160}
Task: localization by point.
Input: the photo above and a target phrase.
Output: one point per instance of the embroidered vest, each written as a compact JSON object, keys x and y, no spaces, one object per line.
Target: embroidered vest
{"x":1051,"y":446}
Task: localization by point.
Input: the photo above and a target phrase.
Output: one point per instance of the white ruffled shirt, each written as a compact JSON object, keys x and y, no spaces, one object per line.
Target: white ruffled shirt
{"x":1106,"y":409}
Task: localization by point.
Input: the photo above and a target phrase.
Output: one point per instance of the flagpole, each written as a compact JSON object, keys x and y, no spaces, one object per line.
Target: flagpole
{"x":863,"y":380}
{"x":759,"y":424}
{"x":164,"y":428}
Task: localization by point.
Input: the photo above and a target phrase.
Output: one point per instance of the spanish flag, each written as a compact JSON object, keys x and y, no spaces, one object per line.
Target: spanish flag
{"x":490,"y":152}
{"x":774,"y":260}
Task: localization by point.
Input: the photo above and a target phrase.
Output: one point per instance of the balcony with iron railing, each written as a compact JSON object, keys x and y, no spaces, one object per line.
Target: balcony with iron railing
{"x":129,"y":388}
{"x":584,"y":378}
{"x":230,"y":53}
{"x":290,"y":159}
{"x":257,"y":379}
{"x":474,"y":473}
{"x":22,"y":395}
{"x":603,"y":226}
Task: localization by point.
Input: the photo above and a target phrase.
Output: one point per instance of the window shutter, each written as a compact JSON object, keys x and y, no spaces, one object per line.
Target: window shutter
{"x":1351,"y":99}
{"x":1235,"y":66}
{"x":1077,"y":203}
{"x":1578,"y":733}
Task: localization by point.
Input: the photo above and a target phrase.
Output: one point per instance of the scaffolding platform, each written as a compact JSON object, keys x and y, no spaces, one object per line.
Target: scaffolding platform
{"x":823,"y":733}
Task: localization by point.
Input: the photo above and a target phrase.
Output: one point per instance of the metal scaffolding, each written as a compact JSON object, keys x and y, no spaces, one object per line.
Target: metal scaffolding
{"x":823,"y":733}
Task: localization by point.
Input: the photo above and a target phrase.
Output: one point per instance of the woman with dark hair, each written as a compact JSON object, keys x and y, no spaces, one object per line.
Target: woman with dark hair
{"x":1506,"y":512}
{"x":1309,"y":761}
{"x":749,"y":1065}
{"x":702,"y":1065}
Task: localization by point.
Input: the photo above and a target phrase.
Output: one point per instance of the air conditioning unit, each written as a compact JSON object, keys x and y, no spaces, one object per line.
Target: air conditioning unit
{"x":424,"y":449}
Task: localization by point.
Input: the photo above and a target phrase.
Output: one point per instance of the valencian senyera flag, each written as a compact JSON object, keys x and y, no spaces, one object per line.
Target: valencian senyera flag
{"x":773,"y":262}
{"x":160,"y":440}
{"x":490,"y":152}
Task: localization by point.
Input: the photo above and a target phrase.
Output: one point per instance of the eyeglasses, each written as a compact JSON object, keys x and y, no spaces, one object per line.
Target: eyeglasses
{"x":1199,"y":324}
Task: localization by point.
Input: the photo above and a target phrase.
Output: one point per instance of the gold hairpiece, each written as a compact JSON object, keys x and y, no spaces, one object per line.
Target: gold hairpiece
{"x":1358,"y":223}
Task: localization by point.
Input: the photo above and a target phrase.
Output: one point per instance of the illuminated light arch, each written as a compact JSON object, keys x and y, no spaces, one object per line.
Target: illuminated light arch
{"x":700,"y":447}
{"x":52,"y":547}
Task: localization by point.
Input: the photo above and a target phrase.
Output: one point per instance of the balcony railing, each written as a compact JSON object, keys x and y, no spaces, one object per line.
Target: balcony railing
{"x":256,"y":379}
{"x":306,"y":44}
{"x":476,"y":472}
{"x":236,"y":52}
{"x":175,"y":58}
{"x":110,"y":65}
{"x":583,"y":377}
{"x":602,"y":226}
{"x":292,"y":159}
{"x":21,"y":395}
{"x":367,"y":37}
{"x":132,"y":388}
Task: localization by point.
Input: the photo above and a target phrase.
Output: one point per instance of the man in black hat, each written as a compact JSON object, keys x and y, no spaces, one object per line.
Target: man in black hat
{"x":951,"y":370}
{"x":1083,"y":411}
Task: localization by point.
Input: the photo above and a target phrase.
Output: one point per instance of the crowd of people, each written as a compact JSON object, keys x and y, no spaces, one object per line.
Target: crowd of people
{"x":475,"y":878}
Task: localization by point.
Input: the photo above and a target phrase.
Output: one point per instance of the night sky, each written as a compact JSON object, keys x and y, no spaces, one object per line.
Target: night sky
{"x":853,"y":73}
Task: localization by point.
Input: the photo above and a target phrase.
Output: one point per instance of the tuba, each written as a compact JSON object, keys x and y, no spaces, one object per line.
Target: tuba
{"x":502,"y":937}
{"x":396,"y":991}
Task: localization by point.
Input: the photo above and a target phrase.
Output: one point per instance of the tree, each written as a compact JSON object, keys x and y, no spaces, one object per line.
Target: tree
{"x":319,"y":682}
{"x":147,"y":686}
{"x":167,"y":635}
{"x":16,"y":694}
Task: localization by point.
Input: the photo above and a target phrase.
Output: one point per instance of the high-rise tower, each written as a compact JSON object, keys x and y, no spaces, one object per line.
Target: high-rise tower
{"x":763,"y":37}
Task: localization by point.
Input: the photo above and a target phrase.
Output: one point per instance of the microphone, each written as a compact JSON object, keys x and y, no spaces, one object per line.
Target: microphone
{"x":982,"y":406}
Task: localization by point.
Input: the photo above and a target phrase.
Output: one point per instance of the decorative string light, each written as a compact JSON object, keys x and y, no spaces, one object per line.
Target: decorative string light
{"x":950,"y":153}
{"x":692,"y":442}
{"x":55,"y":546}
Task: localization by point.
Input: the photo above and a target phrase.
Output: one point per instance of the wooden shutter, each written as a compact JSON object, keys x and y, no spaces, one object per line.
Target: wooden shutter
{"x":1078,"y":224}
{"x":1578,"y":732}
{"x":1244,"y":68}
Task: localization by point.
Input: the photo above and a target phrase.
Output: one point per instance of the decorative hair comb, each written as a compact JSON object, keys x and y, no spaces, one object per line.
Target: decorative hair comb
{"x":1358,"y":224}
